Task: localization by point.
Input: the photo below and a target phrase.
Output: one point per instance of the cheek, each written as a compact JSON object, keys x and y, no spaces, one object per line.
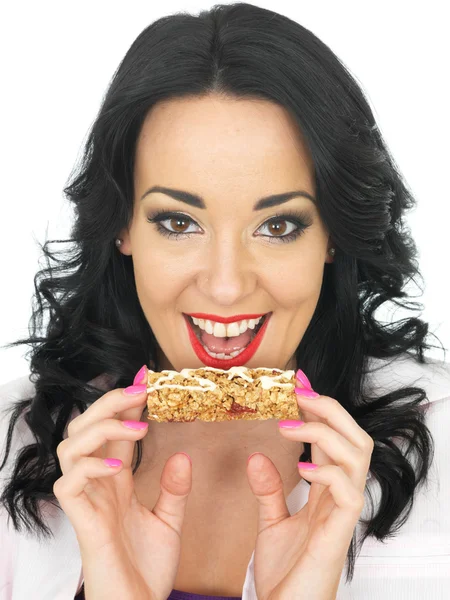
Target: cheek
{"x":157,"y":285}
{"x":162,"y":272}
{"x":296,"y":282}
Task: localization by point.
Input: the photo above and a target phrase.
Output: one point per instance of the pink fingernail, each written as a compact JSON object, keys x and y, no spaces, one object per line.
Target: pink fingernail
{"x":139,"y":375}
{"x":290,"y":424}
{"x":303,"y":379}
{"x":307,"y":393}
{"x":112,"y":462}
{"x":139,"y":425}
{"x":307,"y":466}
{"x":135,"y":389}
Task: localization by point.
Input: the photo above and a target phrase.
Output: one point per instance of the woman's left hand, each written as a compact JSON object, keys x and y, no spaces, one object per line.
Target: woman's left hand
{"x":302,"y":556}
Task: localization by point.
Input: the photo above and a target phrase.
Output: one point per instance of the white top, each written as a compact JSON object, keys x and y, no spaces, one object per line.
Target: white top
{"x":413,"y":565}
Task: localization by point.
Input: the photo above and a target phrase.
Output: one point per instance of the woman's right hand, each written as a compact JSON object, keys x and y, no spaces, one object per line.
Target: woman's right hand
{"x":127,"y":551}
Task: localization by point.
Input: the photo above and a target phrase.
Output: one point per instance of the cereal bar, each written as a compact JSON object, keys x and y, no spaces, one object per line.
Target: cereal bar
{"x":210,"y":394}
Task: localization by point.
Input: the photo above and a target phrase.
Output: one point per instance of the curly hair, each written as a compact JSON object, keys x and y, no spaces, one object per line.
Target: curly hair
{"x":96,"y":324}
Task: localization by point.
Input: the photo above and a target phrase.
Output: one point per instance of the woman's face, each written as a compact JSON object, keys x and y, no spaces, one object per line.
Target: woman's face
{"x":228,"y":258}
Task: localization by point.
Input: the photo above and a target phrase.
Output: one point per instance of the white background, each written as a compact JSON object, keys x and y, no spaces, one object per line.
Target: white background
{"x":57,"y":59}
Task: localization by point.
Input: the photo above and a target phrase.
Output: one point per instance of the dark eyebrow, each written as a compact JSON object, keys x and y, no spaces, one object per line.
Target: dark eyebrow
{"x":198,"y":201}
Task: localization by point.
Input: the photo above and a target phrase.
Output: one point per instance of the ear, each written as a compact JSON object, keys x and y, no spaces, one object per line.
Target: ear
{"x":125,"y":246}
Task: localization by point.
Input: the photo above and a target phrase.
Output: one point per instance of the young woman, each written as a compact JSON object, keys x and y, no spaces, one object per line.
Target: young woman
{"x":234,"y":178}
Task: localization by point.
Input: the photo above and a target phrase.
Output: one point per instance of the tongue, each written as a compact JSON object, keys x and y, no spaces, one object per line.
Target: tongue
{"x":218,"y":345}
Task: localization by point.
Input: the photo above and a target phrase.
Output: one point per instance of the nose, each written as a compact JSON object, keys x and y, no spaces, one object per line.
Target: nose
{"x":230,"y":275}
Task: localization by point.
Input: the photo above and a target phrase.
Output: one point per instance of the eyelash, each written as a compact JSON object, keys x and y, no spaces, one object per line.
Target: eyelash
{"x":300,"y":219}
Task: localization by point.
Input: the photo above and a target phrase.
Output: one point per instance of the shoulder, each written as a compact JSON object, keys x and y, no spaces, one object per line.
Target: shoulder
{"x":25,"y":560}
{"x":14,"y":390}
{"x":418,"y":552}
{"x":425,"y":531}
{"x":11,"y":393}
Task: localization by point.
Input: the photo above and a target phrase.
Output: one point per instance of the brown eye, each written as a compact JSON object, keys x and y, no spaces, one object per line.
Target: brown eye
{"x":178,"y":227}
{"x":176,"y":224}
{"x":274,"y":227}
{"x":277,"y":226}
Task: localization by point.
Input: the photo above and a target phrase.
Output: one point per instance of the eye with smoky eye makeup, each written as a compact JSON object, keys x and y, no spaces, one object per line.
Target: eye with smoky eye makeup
{"x":300,"y":219}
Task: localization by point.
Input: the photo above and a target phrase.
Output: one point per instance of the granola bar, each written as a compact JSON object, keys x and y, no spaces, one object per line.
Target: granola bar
{"x":210,"y":394}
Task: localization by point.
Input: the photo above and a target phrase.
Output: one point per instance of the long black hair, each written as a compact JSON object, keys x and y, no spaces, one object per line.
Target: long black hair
{"x":95,"y":322}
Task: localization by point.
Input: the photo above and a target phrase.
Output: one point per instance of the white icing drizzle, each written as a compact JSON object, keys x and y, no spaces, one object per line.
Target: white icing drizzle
{"x":204,"y":385}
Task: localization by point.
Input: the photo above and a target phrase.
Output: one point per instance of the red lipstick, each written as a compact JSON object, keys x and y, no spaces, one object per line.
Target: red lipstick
{"x":225,"y":364}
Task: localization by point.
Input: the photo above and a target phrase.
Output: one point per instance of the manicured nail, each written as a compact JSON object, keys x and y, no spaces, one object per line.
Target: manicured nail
{"x":307,"y":466}
{"x":140,"y":375}
{"x":139,"y":425}
{"x":112,"y":462}
{"x":290,"y":424}
{"x":135,"y":389}
{"x":307,"y":393}
{"x":303,"y":379}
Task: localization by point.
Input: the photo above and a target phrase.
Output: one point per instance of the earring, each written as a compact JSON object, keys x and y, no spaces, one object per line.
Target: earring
{"x":332,"y":251}
{"x":118,"y":242}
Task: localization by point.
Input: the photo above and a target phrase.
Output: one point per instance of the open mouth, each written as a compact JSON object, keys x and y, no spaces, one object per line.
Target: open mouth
{"x":198,"y":332}
{"x":230,"y":351}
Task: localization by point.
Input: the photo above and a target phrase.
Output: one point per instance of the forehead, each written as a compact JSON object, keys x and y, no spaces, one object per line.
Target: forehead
{"x":203,"y":141}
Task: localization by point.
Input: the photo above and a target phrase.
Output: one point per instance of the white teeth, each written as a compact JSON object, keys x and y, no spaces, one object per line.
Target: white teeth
{"x":219,"y":330}
{"x":233,"y":329}
{"x":229,"y":330}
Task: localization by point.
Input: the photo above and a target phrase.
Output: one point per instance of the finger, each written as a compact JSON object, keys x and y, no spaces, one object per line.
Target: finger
{"x":123,"y":449}
{"x":339,"y":449}
{"x":266,"y":484}
{"x":115,"y":403}
{"x":69,"y":489}
{"x":318,"y":455}
{"x":87,"y":441}
{"x":334,"y":414}
{"x":349,"y":501}
{"x":111,"y":404}
{"x":176,"y":484}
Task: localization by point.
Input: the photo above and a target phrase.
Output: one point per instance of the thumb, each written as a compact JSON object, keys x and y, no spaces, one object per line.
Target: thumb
{"x":266,"y":484}
{"x":176,"y":484}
